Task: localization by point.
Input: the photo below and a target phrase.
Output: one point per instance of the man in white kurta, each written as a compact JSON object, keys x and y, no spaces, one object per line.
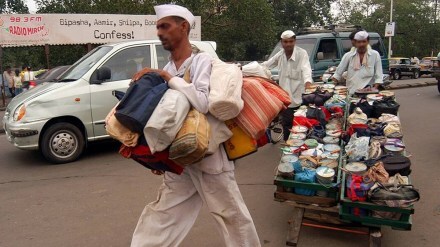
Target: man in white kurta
{"x":363,"y":65}
{"x":166,"y":221}
{"x":295,"y":74}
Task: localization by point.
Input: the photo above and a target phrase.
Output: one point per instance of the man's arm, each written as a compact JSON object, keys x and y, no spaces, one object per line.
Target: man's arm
{"x":342,"y":67}
{"x":197,"y":92}
{"x":378,"y":72}
{"x":273,"y":62}
{"x":306,"y":70}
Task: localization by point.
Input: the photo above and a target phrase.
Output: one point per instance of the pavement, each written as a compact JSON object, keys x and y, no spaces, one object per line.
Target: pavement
{"x":97,"y":200}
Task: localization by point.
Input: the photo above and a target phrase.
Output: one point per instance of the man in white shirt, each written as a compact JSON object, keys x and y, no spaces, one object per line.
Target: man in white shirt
{"x":166,"y":221}
{"x":295,"y":74}
{"x":363,"y":66}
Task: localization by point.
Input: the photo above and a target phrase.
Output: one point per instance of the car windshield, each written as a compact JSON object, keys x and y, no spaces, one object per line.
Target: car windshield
{"x":83,"y":65}
{"x":306,"y":44}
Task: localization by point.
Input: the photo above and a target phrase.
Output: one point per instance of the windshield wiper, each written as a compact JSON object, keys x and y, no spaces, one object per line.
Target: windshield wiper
{"x":66,"y":80}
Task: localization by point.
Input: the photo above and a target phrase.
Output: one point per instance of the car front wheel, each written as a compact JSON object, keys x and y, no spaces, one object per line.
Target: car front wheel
{"x":62,"y":143}
{"x":396,"y":75}
{"x":416,"y":74}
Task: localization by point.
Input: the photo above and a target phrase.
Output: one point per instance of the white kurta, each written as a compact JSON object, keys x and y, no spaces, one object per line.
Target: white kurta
{"x":166,"y":221}
{"x":293,"y":72}
{"x":367,"y":75}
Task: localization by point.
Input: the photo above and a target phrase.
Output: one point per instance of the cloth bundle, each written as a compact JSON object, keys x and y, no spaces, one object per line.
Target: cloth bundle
{"x":260,"y":107}
{"x":225,"y":101}
{"x":166,"y":120}
{"x":256,"y":69}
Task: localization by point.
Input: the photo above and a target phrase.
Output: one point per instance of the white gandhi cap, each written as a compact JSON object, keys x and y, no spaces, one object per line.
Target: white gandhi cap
{"x":361,"y":35}
{"x":167,"y":10}
{"x":287,"y":34}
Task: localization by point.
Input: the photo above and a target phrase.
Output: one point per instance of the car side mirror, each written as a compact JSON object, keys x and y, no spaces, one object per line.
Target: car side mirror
{"x":320,"y":56}
{"x":103,"y":74}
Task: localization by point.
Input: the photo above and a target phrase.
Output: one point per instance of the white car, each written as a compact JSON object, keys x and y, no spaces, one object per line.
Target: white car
{"x":60,"y":118}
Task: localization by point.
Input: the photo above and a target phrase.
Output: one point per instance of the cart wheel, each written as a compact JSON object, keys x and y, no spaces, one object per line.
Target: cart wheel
{"x":375,"y":237}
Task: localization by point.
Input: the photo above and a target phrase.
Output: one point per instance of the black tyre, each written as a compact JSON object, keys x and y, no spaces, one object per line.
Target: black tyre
{"x":397,"y":75}
{"x":62,"y":143}
{"x":416,"y":74}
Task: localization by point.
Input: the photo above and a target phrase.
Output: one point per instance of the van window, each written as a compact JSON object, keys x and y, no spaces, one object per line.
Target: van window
{"x":329,"y":48}
{"x":346,"y":45}
{"x":127,"y":62}
{"x":162,"y":56}
{"x":377,"y":46}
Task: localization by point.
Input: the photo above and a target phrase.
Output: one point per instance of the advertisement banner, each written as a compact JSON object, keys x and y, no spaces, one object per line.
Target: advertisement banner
{"x":389,"y":29}
{"x":68,"y":29}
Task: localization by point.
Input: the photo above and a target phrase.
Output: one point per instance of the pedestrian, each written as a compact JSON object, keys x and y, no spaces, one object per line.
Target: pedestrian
{"x":363,"y":65}
{"x":8,"y":76}
{"x":166,"y":221}
{"x":295,"y":75}
{"x":28,"y":75}
{"x":17,"y":82}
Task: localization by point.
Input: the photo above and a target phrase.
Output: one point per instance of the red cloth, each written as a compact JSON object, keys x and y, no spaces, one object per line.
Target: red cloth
{"x":157,"y":161}
{"x":308,"y":122}
{"x":353,"y":127}
{"x":326,"y":112}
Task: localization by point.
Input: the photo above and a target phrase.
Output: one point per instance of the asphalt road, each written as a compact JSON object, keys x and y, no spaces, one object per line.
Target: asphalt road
{"x":97,"y":200}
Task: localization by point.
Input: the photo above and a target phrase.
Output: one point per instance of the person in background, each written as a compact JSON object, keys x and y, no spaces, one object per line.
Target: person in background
{"x":363,"y":66}
{"x":8,"y":76}
{"x":167,"y":220}
{"x":28,"y":75}
{"x":17,"y":82}
{"x":295,"y":75}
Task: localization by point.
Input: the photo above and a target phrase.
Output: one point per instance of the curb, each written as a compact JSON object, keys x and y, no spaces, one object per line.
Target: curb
{"x":418,"y":84}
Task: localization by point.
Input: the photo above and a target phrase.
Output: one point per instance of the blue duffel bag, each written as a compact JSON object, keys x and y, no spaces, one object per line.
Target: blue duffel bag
{"x":139,"y":102}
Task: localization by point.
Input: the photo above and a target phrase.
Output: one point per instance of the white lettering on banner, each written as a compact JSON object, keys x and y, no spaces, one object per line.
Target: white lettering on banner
{"x":53,"y":29}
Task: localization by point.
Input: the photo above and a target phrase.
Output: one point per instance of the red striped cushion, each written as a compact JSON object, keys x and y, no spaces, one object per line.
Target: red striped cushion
{"x":260,"y":108}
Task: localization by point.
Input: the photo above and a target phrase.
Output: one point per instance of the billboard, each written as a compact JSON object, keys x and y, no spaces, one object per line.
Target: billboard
{"x":66,"y":29}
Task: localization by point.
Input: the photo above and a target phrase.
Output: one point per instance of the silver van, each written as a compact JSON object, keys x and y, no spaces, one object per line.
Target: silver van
{"x":60,"y":118}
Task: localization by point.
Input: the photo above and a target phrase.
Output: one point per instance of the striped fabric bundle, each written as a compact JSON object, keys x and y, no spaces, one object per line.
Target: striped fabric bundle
{"x":276,"y":91}
{"x":260,"y":107}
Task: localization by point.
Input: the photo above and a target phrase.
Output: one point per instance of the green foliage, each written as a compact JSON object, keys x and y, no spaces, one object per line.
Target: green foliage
{"x":13,"y":6}
{"x":416,"y":26}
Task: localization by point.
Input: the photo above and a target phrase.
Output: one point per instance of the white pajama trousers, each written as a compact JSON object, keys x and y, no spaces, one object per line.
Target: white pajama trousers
{"x":166,"y":221}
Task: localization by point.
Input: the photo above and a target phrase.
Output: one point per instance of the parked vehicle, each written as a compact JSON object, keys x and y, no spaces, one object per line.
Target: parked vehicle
{"x":60,"y":118}
{"x":48,"y":76}
{"x":436,"y":71}
{"x":426,"y":65}
{"x":402,"y":66}
{"x":326,"y":46}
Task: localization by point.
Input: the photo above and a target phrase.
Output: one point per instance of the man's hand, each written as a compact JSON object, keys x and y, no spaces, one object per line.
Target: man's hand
{"x":308,"y":85}
{"x":376,"y":86}
{"x":335,"y":80}
{"x":165,"y":75}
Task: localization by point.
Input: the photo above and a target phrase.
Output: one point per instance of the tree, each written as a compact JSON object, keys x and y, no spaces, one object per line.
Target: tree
{"x":13,"y":7}
{"x":415,"y":21}
{"x":296,"y":14}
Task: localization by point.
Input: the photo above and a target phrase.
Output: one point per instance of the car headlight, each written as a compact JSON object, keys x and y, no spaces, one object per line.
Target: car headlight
{"x":19,"y":113}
